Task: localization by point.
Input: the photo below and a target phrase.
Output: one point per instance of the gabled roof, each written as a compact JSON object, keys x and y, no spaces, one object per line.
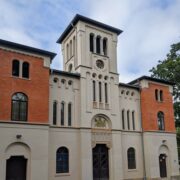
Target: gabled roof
{"x":129,"y":86}
{"x":89,"y":21}
{"x":151,"y":79}
{"x":65,"y":73}
{"x":25,"y":48}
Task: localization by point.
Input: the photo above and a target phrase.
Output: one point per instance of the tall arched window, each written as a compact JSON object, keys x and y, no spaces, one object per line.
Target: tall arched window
{"x":62,"y":160}
{"x":105,"y":46}
{"x":161,"y":95}
{"x":123,"y":120}
{"x":94,"y":91}
{"x":100,"y":94}
{"x":98,"y":44}
{"x":91,"y":42}
{"x":54,"y":113}
{"x":70,"y":48}
{"x":69,"y":114}
{"x":74,"y":45}
{"x":19,"y":107}
{"x":160,"y":117}
{"x":131,"y":158}
{"x":15,"y":68}
{"x":128,"y":123}
{"x":67,"y":51}
{"x":133,"y":120}
{"x":156,"y":95}
{"x":62,"y":113}
{"x":106,"y":93}
{"x":25,"y":70}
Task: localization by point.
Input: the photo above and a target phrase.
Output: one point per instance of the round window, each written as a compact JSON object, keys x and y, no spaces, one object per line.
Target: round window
{"x":100,"y":64}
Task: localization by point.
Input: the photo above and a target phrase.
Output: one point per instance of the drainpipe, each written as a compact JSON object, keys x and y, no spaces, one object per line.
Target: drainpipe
{"x":142,"y":140}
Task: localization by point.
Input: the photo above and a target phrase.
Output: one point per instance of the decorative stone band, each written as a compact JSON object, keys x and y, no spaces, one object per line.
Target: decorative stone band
{"x":101,"y":136}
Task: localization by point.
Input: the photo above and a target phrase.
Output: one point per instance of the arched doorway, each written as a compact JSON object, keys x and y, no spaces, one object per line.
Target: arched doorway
{"x":18,"y":155}
{"x":162,"y":165}
{"x":16,"y":168}
{"x":100,"y":162}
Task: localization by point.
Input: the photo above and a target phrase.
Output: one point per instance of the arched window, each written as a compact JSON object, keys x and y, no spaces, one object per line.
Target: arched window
{"x":70,"y":48}
{"x":67,"y":51}
{"x":156,"y":95}
{"x":161,"y":95}
{"x":106,"y":93}
{"x":69,"y":114}
{"x":74,"y":45}
{"x":54,"y":113}
{"x":100,"y":94}
{"x":123,"y":120}
{"x":62,"y":160}
{"x":133,"y":120}
{"x":15,"y":68}
{"x":19,"y":107}
{"x":94,"y":91}
{"x":62,"y":113}
{"x":128,"y":123}
{"x":131,"y":158}
{"x":98,"y":44}
{"x":25,"y":70}
{"x":91,"y":42}
{"x":160,"y":117}
{"x":105,"y":46}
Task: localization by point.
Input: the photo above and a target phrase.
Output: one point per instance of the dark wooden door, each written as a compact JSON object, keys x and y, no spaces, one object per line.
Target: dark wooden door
{"x":162,"y":165}
{"x":16,"y":168}
{"x":100,"y":162}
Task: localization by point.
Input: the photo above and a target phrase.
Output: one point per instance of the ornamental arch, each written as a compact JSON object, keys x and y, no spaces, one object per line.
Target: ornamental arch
{"x":101,"y":130}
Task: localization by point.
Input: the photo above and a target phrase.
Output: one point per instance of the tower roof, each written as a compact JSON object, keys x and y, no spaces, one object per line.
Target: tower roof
{"x":89,"y":21}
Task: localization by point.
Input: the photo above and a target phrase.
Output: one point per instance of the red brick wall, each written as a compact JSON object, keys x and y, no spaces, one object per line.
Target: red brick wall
{"x":36,"y":87}
{"x":150,"y":107}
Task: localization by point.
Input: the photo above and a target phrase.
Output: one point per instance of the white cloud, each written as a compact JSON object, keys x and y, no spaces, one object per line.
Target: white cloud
{"x":150,"y":27}
{"x":149,"y":30}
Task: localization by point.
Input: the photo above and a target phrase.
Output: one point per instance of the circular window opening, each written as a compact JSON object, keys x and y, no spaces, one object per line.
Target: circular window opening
{"x":63,"y":81}
{"x":70,"y":82}
{"x":94,"y":75}
{"x":106,"y":77}
{"x":100,"y":76}
{"x":100,"y":64}
{"x":55,"y":80}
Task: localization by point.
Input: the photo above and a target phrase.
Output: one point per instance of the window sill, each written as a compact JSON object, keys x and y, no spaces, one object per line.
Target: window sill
{"x":100,"y":54}
{"x":62,"y":174}
{"x":22,"y":78}
{"x":131,"y":170}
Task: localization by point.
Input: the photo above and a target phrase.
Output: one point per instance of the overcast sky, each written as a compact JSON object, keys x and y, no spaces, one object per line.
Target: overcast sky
{"x":149,"y":27}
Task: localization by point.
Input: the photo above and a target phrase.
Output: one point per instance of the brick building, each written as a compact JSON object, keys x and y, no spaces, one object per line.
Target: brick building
{"x":81,"y":123}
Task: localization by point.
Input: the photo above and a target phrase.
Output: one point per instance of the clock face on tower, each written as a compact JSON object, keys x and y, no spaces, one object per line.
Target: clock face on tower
{"x":100,"y":64}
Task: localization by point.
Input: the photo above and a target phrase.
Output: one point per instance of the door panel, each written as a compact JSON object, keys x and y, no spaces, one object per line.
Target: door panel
{"x":100,"y":162}
{"x":162,"y":165}
{"x":16,"y":168}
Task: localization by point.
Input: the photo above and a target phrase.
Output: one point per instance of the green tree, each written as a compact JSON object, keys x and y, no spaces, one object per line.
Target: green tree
{"x":169,"y":69}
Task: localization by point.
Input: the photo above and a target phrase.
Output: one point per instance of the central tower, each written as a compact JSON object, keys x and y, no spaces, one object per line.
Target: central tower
{"x":89,"y":44}
{"x":90,"y":49}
